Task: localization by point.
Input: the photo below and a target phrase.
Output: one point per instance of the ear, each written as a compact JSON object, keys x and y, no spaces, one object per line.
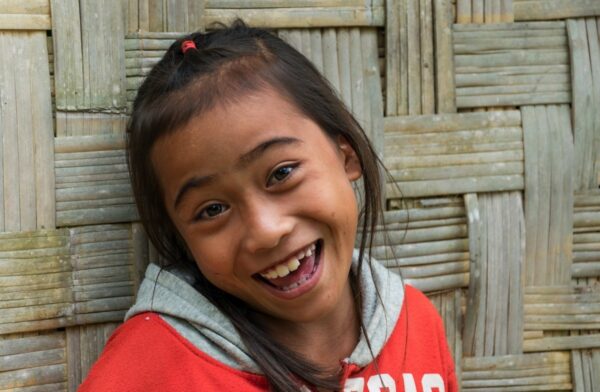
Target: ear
{"x":351,"y":161}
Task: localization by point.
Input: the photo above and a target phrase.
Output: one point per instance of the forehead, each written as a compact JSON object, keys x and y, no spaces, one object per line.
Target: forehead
{"x":251,"y":117}
{"x":213,"y":141}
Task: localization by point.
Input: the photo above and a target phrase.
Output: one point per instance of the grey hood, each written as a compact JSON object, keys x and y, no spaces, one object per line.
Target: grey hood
{"x":170,"y":294}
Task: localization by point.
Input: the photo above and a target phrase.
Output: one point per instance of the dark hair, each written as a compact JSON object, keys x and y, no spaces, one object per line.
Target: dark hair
{"x":227,"y":63}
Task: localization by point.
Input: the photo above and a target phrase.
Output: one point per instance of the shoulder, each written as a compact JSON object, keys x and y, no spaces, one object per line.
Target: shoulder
{"x":134,"y":348}
{"x":419,"y":307}
{"x":145,"y":353}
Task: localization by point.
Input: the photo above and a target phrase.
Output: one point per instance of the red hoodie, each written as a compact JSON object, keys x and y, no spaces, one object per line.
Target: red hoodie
{"x":147,"y":354}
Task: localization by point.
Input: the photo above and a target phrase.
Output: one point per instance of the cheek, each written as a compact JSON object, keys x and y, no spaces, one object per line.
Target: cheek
{"x":211,"y":256}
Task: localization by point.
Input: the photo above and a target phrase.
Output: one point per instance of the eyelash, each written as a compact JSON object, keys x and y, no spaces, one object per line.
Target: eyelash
{"x":200,"y":216}
{"x":291,"y":166}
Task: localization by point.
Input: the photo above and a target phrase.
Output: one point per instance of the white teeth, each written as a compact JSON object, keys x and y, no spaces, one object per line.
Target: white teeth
{"x":284,"y":269}
{"x":293,"y":265}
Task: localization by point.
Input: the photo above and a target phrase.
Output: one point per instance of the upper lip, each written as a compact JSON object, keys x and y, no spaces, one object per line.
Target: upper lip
{"x":289,"y":256}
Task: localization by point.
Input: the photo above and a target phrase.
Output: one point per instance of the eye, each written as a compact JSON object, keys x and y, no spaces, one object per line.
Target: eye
{"x":281,"y":174}
{"x":211,"y":211}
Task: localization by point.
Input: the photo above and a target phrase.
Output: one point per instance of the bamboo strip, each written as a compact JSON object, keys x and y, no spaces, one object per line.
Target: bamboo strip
{"x":83,"y":123}
{"x":503,"y":78}
{"x":476,"y":45}
{"x":453,"y":122}
{"x":412,"y":215}
{"x":444,"y":67}
{"x":440,"y":283}
{"x":33,"y":376}
{"x":300,"y":17}
{"x":418,"y":249}
{"x":420,"y":235}
{"x":520,"y":28}
{"x":482,"y":91}
{"x":585,"y":118}
{"x":477,"y":11}
{"x":457,"y":172}
{"x":457,"y":186}
{"x":425,"y":259}
{"x":463,"y":11}
{"x":330,"y":59}
{"x":373,"y":97}
{"x":288,"y":3}
{"x":25,"y":22}
{"x":414,"y":60}
{"x":435,"y":270}
{"x":427,"y":63}
{"x":452,"y":149}
{"x":562,"y":343}
{"x":507,"y":11}
{"x":344,"y":64}
{"x":513,"y":99}
{"x":88,"y":143}
{"x":393,"y":57}
{"x":554,"y":9}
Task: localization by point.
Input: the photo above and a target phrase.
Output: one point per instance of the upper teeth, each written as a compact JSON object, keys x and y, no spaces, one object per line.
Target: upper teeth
{"x":290,"y":265}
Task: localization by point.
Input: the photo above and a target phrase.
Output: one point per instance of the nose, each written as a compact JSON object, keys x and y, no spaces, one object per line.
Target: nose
{"x":267,"y":224}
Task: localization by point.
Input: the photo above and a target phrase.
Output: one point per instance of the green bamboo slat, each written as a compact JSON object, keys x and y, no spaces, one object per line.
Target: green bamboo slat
{"x":58,"y":278}
{"x":454,"y":153}
{"x":529,"y":372}
{"x":586,"y":235}
{"x":584,"y":46}
{"x":26,"y":151}
{"x":79,"y":48}
{"x":25,"y":15}
{"x":499,"y":64}
{"x":493,"y":324}
{"x":554,"y":9}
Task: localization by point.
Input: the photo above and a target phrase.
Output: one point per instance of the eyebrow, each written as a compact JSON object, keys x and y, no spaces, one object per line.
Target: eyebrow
{"x":243,"y":161}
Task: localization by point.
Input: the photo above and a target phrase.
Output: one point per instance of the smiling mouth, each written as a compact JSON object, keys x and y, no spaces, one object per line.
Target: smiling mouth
{"x":295,"y":272}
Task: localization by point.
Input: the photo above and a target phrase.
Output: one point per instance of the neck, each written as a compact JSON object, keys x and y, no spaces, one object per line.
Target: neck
{"x":326,"y":341}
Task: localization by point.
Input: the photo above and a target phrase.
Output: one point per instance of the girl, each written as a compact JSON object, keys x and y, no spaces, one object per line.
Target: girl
{"x":242,"y":162}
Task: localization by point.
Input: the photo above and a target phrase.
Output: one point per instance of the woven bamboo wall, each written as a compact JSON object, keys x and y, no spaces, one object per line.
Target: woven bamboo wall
{"x":486,"y":112}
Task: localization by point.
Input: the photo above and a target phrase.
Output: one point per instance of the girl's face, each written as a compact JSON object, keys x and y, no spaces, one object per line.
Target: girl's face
{"x":264,"y":201}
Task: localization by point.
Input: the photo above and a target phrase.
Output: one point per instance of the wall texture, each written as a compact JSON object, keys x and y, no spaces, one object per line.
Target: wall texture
{"x":485,"y":112}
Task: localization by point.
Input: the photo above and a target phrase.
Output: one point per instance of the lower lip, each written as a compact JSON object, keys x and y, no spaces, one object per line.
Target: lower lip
{"x":304,"y":287}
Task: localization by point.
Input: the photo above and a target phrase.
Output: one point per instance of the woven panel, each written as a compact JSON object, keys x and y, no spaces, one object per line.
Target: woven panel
{"x":33,"y":362}
{"x":586,"y":235}
{"x":511,"y":64}
{"x":531,"y":372}
{"x":81,"y":276}
{"x":490,"y":133}
{"x":26,"y":178}
{"x":426,"y":244}
{"x":454,"y":153}
{"x":92,"y":181}
{"x":297,"y":13}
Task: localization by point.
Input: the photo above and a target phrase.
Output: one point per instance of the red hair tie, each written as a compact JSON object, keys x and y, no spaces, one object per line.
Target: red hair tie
{"x":187,"y":45}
